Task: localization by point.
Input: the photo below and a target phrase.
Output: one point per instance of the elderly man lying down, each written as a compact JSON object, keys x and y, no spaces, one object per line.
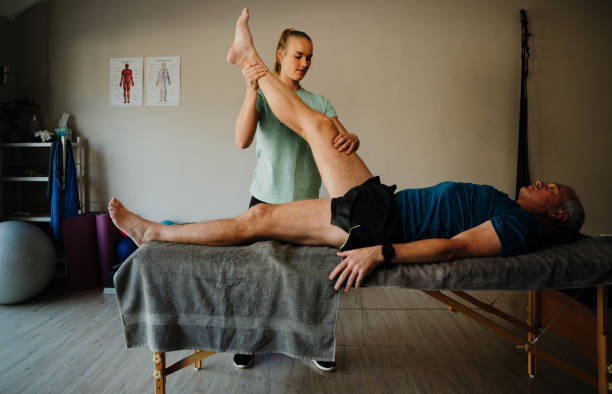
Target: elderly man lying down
{"x":365,"y":219}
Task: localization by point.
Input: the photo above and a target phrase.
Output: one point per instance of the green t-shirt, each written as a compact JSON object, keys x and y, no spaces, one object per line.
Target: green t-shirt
{"x":285,"y":170}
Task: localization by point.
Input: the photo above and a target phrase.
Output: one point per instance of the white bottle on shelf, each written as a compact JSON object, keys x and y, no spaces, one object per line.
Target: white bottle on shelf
{"x":34,"y":127}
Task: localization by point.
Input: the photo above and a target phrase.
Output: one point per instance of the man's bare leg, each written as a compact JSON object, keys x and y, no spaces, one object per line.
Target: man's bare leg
{"x":339,"y":172}
{"x":302,"y":222}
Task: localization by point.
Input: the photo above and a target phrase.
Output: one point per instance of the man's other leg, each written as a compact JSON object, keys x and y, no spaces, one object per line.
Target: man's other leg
{"x":301,"y":222}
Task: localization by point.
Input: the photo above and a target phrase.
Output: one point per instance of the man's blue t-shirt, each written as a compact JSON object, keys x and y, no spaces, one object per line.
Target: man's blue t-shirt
{"x":449,"y":208}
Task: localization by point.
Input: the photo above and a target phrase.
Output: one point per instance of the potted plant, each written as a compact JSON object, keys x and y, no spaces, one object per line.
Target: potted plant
{"x":15,"y":115}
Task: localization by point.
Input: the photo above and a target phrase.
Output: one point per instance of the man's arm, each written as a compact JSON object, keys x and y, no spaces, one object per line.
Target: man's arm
{"x":356,"y":264}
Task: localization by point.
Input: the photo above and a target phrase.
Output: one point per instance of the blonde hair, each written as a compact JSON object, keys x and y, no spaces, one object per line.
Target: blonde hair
{"x":282,"y":44}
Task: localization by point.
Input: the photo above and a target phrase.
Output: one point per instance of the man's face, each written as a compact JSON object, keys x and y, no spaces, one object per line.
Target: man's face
{"x":545,"y":197}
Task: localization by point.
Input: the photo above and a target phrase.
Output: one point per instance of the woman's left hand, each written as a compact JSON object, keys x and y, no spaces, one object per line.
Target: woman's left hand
{"x":346,"y":142}
{"x":356,"y":264}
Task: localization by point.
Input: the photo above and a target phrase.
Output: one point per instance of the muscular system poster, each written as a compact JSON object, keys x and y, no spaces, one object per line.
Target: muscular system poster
{"x":125,"y":82}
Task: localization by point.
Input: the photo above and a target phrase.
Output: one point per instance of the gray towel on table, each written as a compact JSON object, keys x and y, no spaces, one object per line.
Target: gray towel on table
{"x":266,"y":297}
{"x":586,"y":262}
{"x":274,"y":298}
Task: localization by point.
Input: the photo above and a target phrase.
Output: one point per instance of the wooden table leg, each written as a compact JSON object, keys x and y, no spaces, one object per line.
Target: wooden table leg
{"x":602,"y":340}
{"x":159,"y":364}
{"x":197,"y":364}
{"x":533,"y":320}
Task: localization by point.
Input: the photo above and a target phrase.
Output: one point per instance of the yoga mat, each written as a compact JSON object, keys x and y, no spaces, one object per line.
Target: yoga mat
{"x":81,"y":248}
{"x":108,"y":238}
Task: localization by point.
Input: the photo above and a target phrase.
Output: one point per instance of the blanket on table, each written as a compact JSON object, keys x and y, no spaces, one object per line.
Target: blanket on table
{"x":586,"y":262}
{"x":266,"y":297}
{"x":269,"y":297}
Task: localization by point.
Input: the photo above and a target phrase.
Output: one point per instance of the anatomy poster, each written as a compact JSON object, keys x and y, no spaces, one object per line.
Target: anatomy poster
{"x":126,"y":82}
{"x":163,"y":80}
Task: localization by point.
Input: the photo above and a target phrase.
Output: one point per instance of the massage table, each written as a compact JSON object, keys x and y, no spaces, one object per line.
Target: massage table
{"x":272,"y":297}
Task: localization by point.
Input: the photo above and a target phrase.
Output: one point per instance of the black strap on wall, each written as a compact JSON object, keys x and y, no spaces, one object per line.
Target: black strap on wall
{"x":522,"y":169}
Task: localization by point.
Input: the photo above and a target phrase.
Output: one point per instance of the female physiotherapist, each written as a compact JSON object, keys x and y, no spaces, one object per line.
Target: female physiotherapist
{"x":285,"y":170}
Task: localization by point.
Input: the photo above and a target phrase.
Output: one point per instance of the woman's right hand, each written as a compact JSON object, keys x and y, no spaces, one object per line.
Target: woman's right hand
{"x":252,"y":74}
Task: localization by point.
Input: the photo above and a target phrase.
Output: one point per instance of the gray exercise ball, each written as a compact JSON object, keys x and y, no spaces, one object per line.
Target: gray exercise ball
{"x":27,"y":261}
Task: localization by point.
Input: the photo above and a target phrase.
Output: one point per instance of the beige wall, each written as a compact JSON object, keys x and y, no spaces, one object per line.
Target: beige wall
{"x":431,"y":88}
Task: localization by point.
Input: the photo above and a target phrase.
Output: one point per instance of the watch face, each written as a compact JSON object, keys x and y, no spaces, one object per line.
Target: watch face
{"x":388,"y":252}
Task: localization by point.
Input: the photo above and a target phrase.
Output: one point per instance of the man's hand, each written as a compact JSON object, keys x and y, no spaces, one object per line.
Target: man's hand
{"x":252,"y":74}
{"x":346,"y":142}
{"x":356,"y":265}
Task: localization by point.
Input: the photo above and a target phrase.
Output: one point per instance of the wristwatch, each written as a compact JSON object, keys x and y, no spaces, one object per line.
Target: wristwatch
{"x":388,"y":253}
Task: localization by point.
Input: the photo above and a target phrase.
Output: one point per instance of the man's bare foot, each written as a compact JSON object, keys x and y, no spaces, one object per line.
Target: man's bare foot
{"x":138,"y":229}
{"x":242,"y":51}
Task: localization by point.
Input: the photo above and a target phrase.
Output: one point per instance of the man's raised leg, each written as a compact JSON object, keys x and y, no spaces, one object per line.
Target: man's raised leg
{"x":339,"y":172}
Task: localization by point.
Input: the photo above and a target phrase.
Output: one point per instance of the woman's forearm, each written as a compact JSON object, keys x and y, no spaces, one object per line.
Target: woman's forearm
{"x":246,"y":122}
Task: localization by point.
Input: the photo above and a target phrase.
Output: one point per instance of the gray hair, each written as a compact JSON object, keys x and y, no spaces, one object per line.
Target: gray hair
{"x":568,"y":230}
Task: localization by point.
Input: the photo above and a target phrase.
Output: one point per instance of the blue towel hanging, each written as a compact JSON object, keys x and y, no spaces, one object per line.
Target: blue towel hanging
{"x":63,"y":188}
{"x":56,"y":180}
{"x":71,"y":188}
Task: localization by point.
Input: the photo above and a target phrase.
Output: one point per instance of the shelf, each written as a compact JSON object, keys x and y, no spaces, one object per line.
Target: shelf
{"x":25,"y":144}
{"x":28,"y":218}
{"x":25,"y":179}
{"x":28,"y":178}
{"x":32,"y":144}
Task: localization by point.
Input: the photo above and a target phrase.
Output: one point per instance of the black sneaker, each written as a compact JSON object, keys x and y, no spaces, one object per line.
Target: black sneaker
{"x":243,"y":360}
{"x":325,"y":365}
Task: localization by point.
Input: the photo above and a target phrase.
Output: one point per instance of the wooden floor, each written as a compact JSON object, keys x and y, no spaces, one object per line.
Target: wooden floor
{"x":388,"y":341}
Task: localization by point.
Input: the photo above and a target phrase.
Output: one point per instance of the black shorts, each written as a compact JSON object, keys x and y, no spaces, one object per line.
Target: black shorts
{"x":368,"y":214}
{"x":255,"y":201}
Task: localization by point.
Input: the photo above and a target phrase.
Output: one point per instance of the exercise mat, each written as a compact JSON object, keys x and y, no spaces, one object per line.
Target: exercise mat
{"x":108,"y":238}
{"x":81,"y":247}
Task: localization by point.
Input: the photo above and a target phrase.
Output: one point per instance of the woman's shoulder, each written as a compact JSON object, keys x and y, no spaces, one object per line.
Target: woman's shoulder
{"x":313,"y":100}
{"x":303,"y":92}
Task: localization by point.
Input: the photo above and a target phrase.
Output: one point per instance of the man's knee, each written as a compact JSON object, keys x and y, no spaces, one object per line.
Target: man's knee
{"x":257,"y":217}
{"x":247,"y":224}
{"x":321,"y":125}
{"x":258,"y":213}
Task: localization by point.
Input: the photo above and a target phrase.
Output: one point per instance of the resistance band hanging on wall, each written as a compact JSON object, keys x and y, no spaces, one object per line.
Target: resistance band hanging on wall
{"x":522,"y":169}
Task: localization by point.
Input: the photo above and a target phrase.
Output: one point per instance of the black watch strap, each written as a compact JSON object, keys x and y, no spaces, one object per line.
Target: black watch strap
{"x":388,"y":253}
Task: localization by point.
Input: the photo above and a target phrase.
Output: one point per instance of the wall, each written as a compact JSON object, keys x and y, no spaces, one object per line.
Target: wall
{"x":32,"y":57}
{"x":8,"y":57}
{"x":431,"y":88}
{"x":570,"y":100}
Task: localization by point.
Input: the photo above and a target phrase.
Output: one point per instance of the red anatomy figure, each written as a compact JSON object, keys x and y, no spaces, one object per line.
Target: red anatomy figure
{"x":127,"y":81}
